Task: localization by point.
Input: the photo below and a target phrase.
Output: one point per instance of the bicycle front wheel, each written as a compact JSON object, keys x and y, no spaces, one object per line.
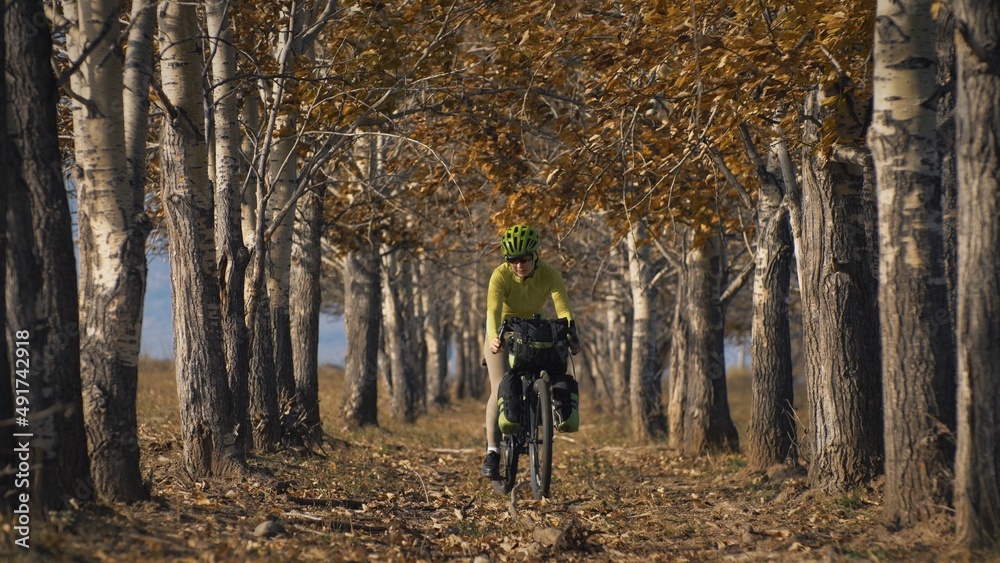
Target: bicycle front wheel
{"x":540,"y":442}
{"x":511,"y":451}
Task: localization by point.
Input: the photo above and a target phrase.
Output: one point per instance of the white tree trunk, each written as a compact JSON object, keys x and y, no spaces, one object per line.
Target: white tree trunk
{"x":262,"y":387}
{"x":917,"y":345}
{"x":646,"y":395}
{"x":402,"y":376}
{"x":138,"y":75}
{"x":436,"y":309}
{"x":619,"y":339}
{"x":112,"y":249}
{"x":205,"y":401}
{"x":231,"y":254}
{"x":282,"y":168}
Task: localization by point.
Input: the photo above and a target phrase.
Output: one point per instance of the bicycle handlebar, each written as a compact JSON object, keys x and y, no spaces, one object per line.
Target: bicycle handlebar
{"x":574,"y":340}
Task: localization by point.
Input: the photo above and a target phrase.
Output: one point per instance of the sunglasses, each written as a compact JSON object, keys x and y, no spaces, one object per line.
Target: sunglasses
{"x":519,"y":260}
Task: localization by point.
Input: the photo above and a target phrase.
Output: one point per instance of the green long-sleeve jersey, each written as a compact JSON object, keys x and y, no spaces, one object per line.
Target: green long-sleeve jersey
{"x":511,"y":296}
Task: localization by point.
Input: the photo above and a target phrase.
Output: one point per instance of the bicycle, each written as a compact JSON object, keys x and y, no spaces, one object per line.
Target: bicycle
{"x":535,"y":434}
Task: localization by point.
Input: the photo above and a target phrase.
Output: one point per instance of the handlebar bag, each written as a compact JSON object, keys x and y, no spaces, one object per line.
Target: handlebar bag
{"x":538,"y":344}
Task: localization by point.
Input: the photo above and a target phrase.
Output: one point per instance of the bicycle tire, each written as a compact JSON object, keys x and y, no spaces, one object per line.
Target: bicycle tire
{"x":509,"y":463}
{"x":540,"y":442}
{"x":499,"y":484}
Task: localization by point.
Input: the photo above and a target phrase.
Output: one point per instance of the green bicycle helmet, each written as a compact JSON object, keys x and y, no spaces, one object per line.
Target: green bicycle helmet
{"x":518,"y":241}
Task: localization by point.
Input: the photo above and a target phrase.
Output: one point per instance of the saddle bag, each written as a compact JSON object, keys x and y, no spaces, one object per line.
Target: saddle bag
{"x":566,"y":402}
{"x":509,"y":399}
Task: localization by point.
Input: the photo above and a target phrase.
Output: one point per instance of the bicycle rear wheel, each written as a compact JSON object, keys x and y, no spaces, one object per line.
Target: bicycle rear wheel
{"x":540,"y":442}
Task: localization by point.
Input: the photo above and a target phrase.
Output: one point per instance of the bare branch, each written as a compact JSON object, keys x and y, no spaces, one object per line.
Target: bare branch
{"x":737,"y":283}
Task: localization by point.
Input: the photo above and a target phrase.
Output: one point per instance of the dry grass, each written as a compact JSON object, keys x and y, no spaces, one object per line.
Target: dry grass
{"x":412,"y":493}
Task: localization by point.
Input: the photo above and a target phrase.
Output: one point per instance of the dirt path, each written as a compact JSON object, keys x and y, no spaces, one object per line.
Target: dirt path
{"x":411,"y":493}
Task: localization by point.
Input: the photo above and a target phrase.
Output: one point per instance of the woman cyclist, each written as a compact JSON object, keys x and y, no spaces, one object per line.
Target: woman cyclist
{"x":518,"y":288}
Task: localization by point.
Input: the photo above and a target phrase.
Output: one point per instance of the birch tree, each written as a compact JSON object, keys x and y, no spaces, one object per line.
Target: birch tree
{"x":280,"y":183}
{"x":6,"y":386}
{"x":231,"y":254}
{"x":437,"y":330}
{"x":261,"y":384}
{"x":648,"y":419}
{"x":772,"y":432}
{"x":618,"y":326}
{"x":138,"y":75}
{"x":838,"y":283}
{"x":977,"y":479}
{"x":918,"y":369}
{"x":362,"y":320}
{"x":699,"y":405}
{"x":282,"y":168}
{"x":42,"y":323}
{"x":402,"y":369}
{"x":113,"y":230}
{"x":305,"y":307}
{"x":207,"y":422}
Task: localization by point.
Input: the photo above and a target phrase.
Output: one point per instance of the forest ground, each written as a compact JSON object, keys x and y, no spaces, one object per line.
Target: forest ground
{"x":412,"y":493}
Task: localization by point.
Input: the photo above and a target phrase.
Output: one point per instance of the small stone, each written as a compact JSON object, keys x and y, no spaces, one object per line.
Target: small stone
{"x":548,"y":536}
{"x":267,"y":529}
{"x":230,"y":494}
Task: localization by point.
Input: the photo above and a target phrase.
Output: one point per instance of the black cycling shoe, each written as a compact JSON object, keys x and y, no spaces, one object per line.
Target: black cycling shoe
{"x":491,"y":466}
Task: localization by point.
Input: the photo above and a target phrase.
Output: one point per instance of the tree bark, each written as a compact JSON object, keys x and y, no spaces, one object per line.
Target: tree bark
{"x":112,"y":239}
{"x":282,"y":170}
{"x":207,"y":422}
{"x":945,"y":46}
{"x":362,"y":319}
{"x":619,"y":340}
{"x":402,"y":375}
{"x":977,"y":479}
{"x":231,"y":254}
{"x":416,"y":336}
{"x":918,"y":371}
{"x":7,"y":383}
{"x":262,"y":386}
{"x":464,"y":384}
{"x":44,"y":321}
{"x":305,"y":308}
{"x":838,"y":284}
{"x":646,"y":393}
{"x":700,"y":420}
{"x":772,"y":432}
{"x":436,"y":310}
{"x":471,"y":379}
{"x":138,"y":75}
